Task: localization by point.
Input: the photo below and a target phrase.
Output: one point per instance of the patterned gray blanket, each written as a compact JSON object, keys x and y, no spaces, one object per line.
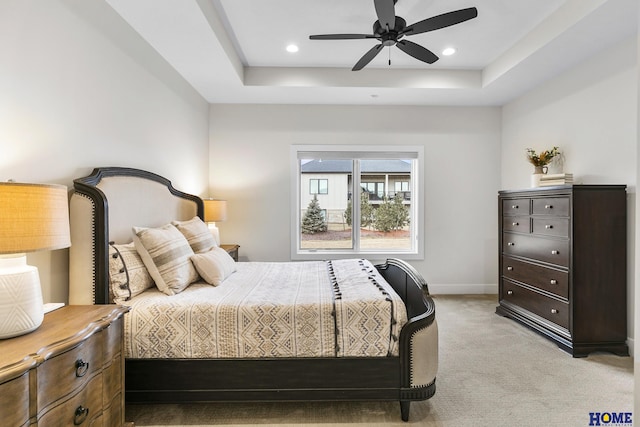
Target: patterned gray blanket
{"x":339,"y":308}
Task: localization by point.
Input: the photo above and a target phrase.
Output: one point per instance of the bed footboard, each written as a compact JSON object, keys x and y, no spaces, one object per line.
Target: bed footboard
{"x":418,"y":338}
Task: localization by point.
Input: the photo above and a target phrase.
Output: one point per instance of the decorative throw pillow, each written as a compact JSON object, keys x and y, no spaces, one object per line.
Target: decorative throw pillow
{"x":197,"y":233}
{"x":166,"y":252}
{"x":128,"y":276}
{"x":214,"y":266}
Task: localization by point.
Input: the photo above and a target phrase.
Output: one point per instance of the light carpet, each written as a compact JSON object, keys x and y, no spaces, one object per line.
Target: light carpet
{"x":493,"y":372}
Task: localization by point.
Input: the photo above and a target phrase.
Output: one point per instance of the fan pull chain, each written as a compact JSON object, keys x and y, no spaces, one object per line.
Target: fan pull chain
{"x":389,"y":55}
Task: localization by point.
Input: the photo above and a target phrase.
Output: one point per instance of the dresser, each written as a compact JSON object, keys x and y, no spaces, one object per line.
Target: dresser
{"x":70,"y":371}
{"x":563,"y":264}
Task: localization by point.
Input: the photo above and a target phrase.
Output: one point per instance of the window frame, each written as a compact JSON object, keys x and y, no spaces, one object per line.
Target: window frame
{"x":416,"y":187}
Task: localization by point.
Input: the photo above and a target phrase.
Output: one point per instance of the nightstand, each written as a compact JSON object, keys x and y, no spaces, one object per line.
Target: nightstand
{"x":231,"y":250}
{"x":68,"y":371}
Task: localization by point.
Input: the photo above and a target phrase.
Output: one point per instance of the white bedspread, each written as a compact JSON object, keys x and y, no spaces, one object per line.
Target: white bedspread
{"x":300,"y":309}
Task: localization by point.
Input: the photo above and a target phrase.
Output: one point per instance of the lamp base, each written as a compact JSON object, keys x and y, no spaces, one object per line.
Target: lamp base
{"x":215,"y":232}
{"x":21,"y":309}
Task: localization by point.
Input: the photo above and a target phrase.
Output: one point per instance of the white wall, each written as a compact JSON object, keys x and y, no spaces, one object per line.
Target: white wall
{"x":80,"y":89}
{"x":250,"y":168}
{"x":591,"y":113}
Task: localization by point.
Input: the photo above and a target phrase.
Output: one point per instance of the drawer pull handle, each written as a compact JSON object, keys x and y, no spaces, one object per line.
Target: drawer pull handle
{"x":515,"y":224}
{"x":548,"y":226}
{"x":511,"y":244}
{"x":509,"y":292}
{"x":554,"y":252}
{"x":82,"y":368}
{"x":553,"y":281}
{"x":81,"y":415}
{"x":509,"y":268}
{"x":514,"y":206}
{"x":554,"y":311}
{"x":548,"y":206}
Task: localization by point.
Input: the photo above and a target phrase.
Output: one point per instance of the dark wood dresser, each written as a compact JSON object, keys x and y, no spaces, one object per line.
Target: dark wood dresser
{"x":68,"y":372}
{"x":563,"y":264}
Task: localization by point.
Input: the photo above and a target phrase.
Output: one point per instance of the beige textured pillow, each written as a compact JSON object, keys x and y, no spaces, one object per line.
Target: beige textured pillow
{"x":197,"y":234}
{"x":128,"y":276}
{"x":166,"y":252}
{"x":214,"y":266}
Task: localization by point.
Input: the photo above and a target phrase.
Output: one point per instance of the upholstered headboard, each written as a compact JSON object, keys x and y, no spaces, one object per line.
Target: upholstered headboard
{"x":104,"y":207}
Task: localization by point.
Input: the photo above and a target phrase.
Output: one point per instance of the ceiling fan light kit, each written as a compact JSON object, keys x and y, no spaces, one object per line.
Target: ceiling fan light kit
{"x":391,"y":29}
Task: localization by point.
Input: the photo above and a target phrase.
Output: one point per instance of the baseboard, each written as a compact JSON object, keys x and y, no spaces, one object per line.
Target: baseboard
{"x":461,"y":289}
{"x":631,"y":343}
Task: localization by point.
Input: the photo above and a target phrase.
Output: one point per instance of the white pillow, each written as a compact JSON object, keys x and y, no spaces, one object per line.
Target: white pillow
{"x":166,"y":252}
{"x":128,"y":275}
{"x":197,"y":234}
{"x":214,"y":266}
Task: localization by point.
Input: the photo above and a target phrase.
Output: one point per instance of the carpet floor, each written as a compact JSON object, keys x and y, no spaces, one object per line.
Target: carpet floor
{"x":492,"y":372}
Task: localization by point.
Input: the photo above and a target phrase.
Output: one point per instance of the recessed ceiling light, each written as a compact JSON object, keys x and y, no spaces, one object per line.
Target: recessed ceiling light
{"x":448,"y":51}
{"x":292,"y":48}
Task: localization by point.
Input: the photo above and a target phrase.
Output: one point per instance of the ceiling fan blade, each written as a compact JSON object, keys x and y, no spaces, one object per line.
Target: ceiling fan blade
{"x":341,"y":36}
{"x":421,"y":53}
{"x":385,"y":10}
{"x":367,"y":57}
{"x":441,"y":21}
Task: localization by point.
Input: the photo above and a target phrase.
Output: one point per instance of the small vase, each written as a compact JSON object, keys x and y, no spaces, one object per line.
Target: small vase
{"x":537,"y":174}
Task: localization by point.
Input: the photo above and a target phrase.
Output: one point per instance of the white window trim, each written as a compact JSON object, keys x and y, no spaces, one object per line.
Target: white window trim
{"x":361,"y":151}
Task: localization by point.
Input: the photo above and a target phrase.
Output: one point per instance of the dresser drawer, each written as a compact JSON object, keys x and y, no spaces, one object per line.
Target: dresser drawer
{"x":554,"y":251}
{"x":14,"y":401}
{"x":518,"y":224}
{"x":544,"y":306}
{"x":68,"y":371}
{"x":545,"y":278}
{"x":551,"y":226}
{"x":515,"y":206}
{"x":82,"y":409}
{"x":558,"y":206}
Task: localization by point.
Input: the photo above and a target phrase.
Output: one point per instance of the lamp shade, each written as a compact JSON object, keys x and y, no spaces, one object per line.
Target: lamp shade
{"x":215,"y":210}
{"x":33,"y":217}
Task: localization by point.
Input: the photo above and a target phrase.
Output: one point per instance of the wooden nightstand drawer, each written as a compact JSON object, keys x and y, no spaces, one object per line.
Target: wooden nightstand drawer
{"x":68,"y":371}
{"x":14,"y":401}
{"x":83,"y":409}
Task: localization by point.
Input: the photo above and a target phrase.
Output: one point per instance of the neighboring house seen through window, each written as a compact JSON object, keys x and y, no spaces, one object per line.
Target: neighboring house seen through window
{"x":318,"y":186}
{"x":383,"y":217}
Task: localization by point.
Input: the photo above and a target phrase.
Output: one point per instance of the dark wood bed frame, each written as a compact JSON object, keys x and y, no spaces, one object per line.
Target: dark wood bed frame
{"x":405,"y":378}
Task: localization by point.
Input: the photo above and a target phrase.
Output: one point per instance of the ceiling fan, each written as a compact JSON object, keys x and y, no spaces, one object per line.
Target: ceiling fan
{"x":391,"y":29}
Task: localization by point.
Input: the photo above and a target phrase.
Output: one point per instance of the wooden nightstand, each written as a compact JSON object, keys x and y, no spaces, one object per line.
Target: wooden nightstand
{"x":231,"y":250}
{"x":70,"y":370}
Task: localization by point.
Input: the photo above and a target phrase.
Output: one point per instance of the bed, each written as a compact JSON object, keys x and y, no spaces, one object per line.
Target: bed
{"x":104,"y":207}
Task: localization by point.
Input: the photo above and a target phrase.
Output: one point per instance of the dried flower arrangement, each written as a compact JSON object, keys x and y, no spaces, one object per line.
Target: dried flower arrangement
{"x":542,"y":159}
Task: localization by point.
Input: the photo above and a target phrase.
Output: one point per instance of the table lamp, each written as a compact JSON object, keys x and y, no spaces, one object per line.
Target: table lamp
{"x":214,"y":211}
{"x":33,"y":217}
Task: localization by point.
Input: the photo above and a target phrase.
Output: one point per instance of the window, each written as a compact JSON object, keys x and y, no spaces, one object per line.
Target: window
{"x":402,"y":185}
{"x":375,"y":189}
{"x":383,"y":217}
{"x":318,"y":186}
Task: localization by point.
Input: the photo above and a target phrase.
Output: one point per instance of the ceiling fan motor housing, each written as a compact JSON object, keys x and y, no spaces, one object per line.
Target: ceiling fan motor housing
{"x":391,"y":36}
